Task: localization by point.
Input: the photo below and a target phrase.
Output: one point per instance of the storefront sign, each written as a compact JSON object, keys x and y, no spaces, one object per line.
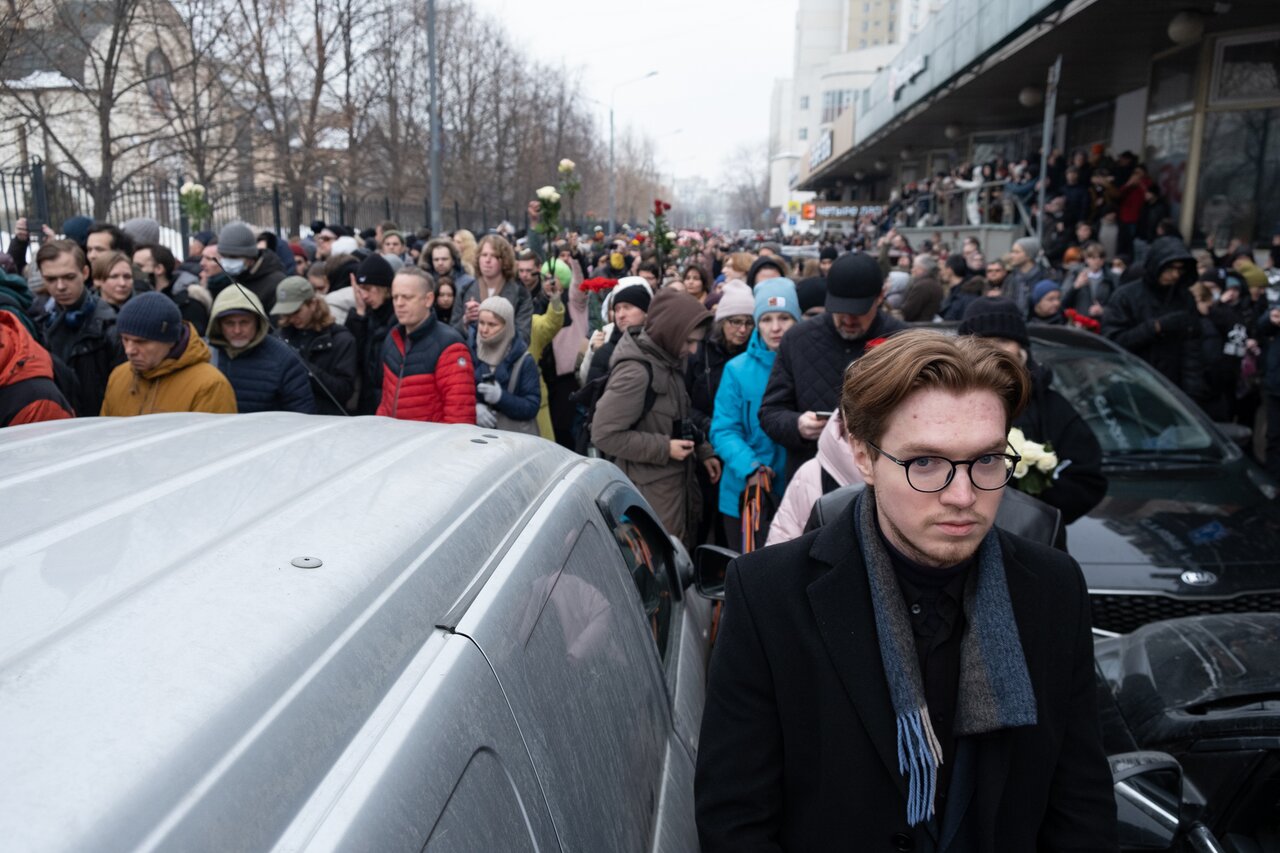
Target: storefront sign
{"x":900,"y":77}
{"x":844,"y":211}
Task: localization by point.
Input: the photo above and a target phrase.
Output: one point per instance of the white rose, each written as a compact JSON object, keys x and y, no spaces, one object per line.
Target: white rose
{"x":545,"y":193}
{"x":1031,"y":452}
{"x":566,"y":165}
{"x":1017,"y":439}
{"x":1047,"y":462}
{"x":671,"y":235}
{"x":187,"y":187}
{"x":198,"y":188}
{"x":1020,"y":470}
{"x":553,"y":197}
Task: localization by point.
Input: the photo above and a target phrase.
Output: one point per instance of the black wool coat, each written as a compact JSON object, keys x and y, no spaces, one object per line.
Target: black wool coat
{"x":807,"y":376}
{"x":798,"y":744}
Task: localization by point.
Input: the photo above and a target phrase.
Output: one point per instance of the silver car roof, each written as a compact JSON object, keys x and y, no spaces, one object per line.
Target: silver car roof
{"x":155,"y":632}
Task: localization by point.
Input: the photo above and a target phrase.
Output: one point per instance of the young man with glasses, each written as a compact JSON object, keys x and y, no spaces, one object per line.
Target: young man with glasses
{"x":909,"y":676}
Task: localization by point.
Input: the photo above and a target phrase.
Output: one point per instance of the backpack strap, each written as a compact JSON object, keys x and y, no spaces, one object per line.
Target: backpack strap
{"x":514,"y":381}
{"x":650,"y":395}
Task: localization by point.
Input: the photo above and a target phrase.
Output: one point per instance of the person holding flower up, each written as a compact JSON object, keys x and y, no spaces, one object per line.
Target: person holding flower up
{"x":1076,"y":483}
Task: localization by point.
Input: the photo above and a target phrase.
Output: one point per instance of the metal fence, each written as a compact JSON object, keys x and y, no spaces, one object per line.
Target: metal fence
{"x":48,"y":194}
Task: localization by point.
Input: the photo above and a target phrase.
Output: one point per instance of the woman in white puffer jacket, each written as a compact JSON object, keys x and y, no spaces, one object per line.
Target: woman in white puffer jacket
{"x":835,"y":459}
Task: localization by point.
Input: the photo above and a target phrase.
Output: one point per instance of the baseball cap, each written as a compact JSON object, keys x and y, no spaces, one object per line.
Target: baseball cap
{"x":291,"y":292}
{"x":853,"y":284}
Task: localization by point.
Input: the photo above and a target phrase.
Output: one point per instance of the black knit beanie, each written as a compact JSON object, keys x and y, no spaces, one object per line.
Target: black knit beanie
{"x":633,"y":294}
{"x":812,"y":293}
{"x":995,"y":317}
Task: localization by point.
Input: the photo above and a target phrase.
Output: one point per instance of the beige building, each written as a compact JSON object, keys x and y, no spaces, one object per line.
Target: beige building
{"x":840,"y":45}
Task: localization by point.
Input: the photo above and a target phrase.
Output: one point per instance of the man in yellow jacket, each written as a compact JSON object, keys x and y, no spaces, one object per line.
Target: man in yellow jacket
{"x":169,"y":367}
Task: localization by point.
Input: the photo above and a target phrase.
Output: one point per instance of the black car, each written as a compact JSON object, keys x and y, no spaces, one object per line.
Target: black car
{"x":1190,"y":525}
{"x":1199,"y":697}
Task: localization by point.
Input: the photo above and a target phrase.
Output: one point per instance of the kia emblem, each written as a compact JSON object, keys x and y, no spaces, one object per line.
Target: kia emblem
{"x":1194,"y":578}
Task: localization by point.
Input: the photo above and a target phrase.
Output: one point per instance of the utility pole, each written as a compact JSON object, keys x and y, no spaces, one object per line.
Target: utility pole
{"x":436,"y":143}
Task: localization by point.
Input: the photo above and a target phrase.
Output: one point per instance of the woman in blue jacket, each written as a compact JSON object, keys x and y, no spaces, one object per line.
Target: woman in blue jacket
{"x":735,"y":426}
{"x":508,"y":393}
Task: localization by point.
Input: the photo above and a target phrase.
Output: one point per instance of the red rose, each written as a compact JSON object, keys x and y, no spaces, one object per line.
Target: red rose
{"x":598,"y":284}
{"x":666,"y":206}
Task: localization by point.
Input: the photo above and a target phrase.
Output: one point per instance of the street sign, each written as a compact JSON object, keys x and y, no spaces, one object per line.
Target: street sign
{"x":793,"y":221}
{"x":809,"y":211}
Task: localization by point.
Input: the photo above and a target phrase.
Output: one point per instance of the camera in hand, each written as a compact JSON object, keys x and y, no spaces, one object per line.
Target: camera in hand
{"x":686,"y":430}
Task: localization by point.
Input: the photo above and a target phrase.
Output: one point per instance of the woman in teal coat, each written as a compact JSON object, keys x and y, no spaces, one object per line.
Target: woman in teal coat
{"x":735,"y":428}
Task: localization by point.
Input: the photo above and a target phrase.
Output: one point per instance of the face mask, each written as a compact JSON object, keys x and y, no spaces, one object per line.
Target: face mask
{"x":232,"y":266}
{"x":615,"y":260}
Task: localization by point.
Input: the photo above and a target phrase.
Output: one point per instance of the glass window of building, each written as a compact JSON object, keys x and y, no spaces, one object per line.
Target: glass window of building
{"x":804,"y":133}
{"x":1239,"y":190}
{"x":1173,"y":87}
{"x":1247,"y":68}
{"x":804,"y":102}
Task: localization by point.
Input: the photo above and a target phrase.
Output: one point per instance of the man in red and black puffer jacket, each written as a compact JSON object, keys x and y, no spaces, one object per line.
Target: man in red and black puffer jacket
{"x":426,"y":367}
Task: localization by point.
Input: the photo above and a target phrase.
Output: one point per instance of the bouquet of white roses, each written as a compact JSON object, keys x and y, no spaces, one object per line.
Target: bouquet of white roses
{"x":194,"y":203}
{"x":1037,"y":469}
{"x":549,"y":222}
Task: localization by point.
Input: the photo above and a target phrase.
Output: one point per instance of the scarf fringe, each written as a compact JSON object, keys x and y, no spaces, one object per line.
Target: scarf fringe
{"x":919,"y":755}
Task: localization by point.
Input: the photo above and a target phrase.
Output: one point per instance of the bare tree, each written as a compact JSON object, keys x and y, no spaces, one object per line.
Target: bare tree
{"x":95,"y":91}
{"x":209,"y":115}
{"x":289,"y":55}
{"x":745,"y":183}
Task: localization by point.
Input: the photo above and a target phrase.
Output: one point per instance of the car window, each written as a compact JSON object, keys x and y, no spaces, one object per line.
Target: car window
{"x":1128,"y":408}
{"x":644,"y":550}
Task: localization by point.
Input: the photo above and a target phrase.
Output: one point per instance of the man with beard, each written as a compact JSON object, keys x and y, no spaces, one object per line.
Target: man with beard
{"x":804,"y":385}
{"x":907,"y":675}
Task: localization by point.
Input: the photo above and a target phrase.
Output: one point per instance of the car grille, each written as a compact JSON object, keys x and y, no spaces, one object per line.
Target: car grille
{"x":1123,"y":613}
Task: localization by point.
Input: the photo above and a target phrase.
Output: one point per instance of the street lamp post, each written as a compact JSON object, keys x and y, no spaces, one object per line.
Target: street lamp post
{"x":613,"y":173}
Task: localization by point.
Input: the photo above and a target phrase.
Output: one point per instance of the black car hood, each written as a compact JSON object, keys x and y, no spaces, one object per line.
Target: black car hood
{"x":1150,"y":531}
{"x":1196,"y":677}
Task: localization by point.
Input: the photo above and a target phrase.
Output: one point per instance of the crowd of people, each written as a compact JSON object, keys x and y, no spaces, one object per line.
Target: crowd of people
{"x":711,"y":374}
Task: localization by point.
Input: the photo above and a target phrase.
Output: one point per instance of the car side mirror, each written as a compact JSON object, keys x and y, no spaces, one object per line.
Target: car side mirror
{"x":1240,"y":434}
{"x":711,"y":563}
{"x":1148,"y":791}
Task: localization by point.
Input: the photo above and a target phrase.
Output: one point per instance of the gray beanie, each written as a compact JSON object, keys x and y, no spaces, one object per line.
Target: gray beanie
{"x":237,"y":240}
{"x":143,"y":230}
{"x":1030,"y":247}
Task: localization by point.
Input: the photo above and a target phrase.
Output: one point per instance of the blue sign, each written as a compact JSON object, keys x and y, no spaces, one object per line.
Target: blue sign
{"x":1211,"y":532}
{"x":793,"y":221}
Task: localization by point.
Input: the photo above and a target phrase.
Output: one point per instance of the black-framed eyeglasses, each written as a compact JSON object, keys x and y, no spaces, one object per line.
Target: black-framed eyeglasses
{"x":988,"y":472}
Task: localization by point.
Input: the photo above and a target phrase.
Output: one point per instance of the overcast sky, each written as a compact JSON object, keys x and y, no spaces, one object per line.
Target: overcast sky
{"x":716,"y":62}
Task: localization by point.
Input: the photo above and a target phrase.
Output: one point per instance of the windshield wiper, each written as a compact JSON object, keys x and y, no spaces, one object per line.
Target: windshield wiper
{"x":1148,"y":457}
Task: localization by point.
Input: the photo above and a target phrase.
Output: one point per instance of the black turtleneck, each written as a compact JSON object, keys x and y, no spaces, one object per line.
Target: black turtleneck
{"x":935,"y":606}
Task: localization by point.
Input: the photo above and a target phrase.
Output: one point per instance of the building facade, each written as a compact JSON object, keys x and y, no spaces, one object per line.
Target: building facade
{"x":1193,"y":93}
{"x":840,"y":46}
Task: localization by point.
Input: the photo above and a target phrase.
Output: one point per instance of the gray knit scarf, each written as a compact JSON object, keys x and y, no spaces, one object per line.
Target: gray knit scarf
{"x":995,"y":689}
